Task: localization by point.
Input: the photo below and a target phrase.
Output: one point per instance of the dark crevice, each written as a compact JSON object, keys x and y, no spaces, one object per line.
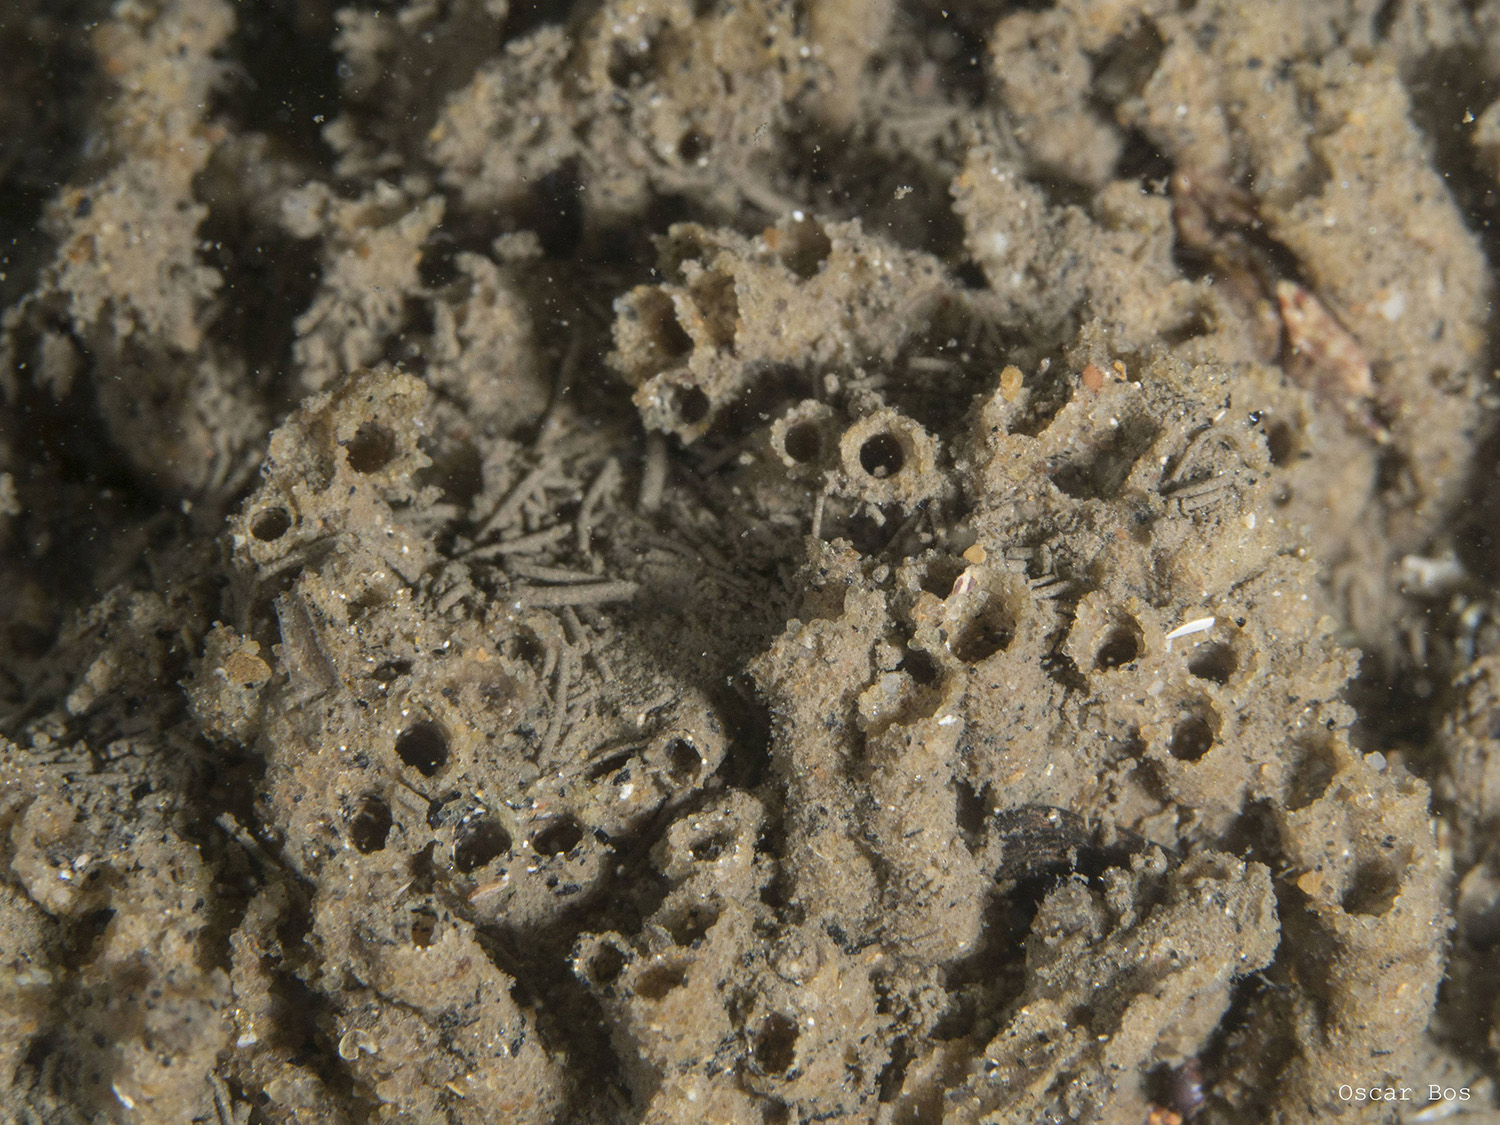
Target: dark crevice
{"x":81,"y":501}
{"x":556,"y":211}
{"x":747,"y":722}
{"x":526,"y":16}
{"x":1398,"y":705}
{"x":285,"y":83}
{"x":269,"y":280}
{"x":1141,"y":160}
{"x":1125,"y":65}
{"x":1477,"y":522}
{"x":841,"y":175}
{"x":50,"y":78}
{"x":1448,"y":88}
{"x":956,"y":37}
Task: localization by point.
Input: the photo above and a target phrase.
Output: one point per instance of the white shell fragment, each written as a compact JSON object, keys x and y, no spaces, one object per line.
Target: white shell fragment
{"x":1196,"y":625}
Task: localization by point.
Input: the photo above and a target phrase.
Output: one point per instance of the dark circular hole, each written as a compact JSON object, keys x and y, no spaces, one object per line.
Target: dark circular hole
{"x":692,"y":145}
{"x":1215,"y":662}
{"x":1120,"y":647}
{"x":656,"y":982}
{"x":424,"y":747}
{"x":671,"y":339}
{"x":528,"y":647}
{"x":692,"y":925}
{"x":1192,"y":738}
{"x":776,"y":1044}
{"x":882,"y":455}
{"x":626,"y":68}
{"x":558,"y":838}
{"x":424,"y":926}
{"x":1281,"y":443}
{"x":371,"y":448}
{"x":917,"y":664}
{"x":805,"y":247}
{"x":990,"y":632}
{"x":803,"y":442}
{"x":1373,"y":890}
{"x":712,"y":847}
{"x":689,"y":404}
{"x":605,"y":965}
{"x":370,"y":826}
{"x":940,"y":574}
{"x":271,"y":524}
{"x":480,"y":842}
{"x":1311,"y":777}
{"x":683,"y":760}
